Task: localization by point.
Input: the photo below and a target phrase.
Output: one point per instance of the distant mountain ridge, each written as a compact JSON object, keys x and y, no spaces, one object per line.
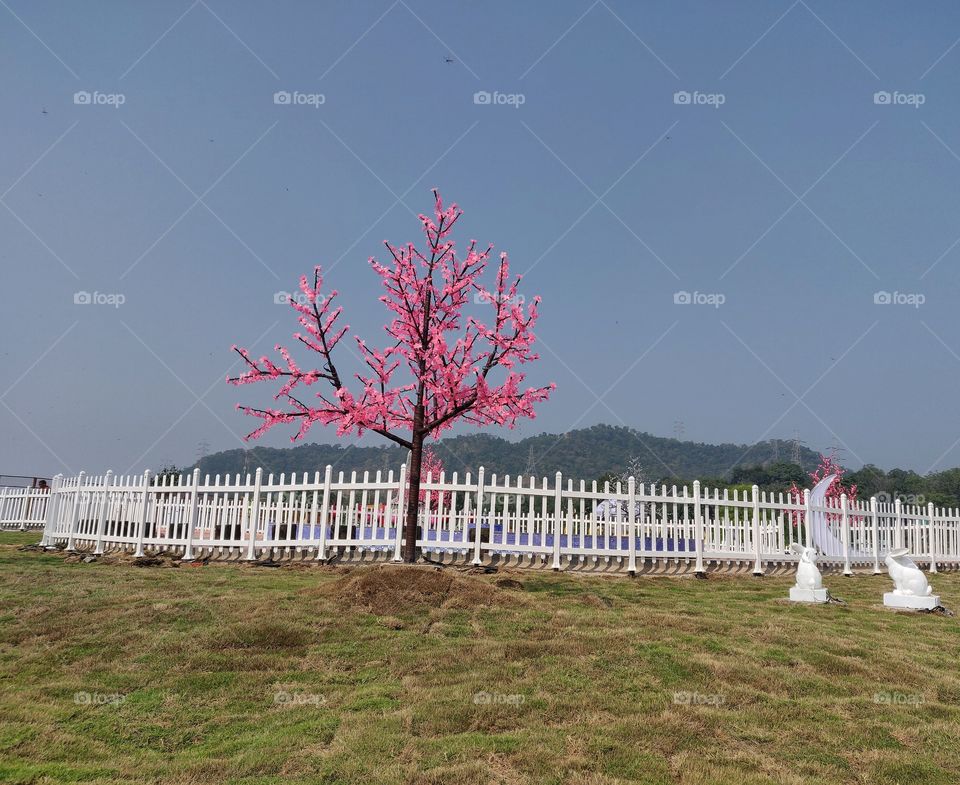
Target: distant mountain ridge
{"x":586,"y":453}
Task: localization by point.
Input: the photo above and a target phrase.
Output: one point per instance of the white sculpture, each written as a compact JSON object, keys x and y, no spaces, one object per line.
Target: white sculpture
{"x":613,"y":510}
{"x":809,"y":586}
{"x":912,"y":589}
{"x":906,"y":575}
{"x":821,"y":532}
{"x":808,"y":576}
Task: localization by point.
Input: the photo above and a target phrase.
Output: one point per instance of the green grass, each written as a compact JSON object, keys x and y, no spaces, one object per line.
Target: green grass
{"x":582,"y":673}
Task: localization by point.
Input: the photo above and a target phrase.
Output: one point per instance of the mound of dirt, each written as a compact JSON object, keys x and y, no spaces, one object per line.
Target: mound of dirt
{"x":596,"y":601}
{"x":120,"y":557}
{"x":390,"y":590}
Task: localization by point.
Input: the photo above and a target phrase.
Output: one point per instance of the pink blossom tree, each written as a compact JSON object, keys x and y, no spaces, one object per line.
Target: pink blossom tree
{"x":445,"y":361}
{"x":432,"y":466}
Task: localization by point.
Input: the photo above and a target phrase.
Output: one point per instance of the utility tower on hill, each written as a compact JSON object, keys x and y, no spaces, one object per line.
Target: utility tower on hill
{"x":796,"y":446}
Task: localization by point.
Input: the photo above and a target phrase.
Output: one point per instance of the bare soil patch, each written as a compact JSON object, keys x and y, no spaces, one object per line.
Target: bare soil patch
{"x":390,"y":590}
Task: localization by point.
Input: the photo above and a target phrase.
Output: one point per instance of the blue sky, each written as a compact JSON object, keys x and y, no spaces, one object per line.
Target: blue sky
{"x":783,"y":163}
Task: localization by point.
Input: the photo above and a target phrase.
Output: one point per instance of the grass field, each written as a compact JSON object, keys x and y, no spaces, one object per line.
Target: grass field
{"x":229,"y":674}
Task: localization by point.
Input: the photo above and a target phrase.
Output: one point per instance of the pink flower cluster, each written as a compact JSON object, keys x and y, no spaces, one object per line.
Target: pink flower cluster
{"x":437,"y":365}
{"x":432,"y":467}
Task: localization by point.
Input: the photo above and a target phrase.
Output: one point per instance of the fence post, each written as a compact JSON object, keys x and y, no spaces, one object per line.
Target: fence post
{"x":631,"y":524}
{"x":192,"y":516}
{"x":102,"y":522}
{"x":757,"y":564}
{"x":845,"y":531}
{"x":876,"y":534}
{"x":312,"y":519}
{"x":254,"y":521}
{"x":75,"y":514}
{"x":932,"y":535}
{"x":557,"y":507}
{"x":22,"y":513}
{"x":478,"y":509}
{"x":807,"y":518}
{"x":23,"y":510}
{"x":898,"y":524}
{"x":698,"y":527}
{"x":325,"y":513}
{"x":32,"y":494}
{"x":142,"y":517}
{"x":401,"y":514}
{"x":47,"y":540}
{"x":28,"y":504}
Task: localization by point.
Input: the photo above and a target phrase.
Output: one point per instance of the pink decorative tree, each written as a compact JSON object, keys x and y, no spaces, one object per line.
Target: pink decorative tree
{"x":447,"y":359}
{"x":432,"y":466}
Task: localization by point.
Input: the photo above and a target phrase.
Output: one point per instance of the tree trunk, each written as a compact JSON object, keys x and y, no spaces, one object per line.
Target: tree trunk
{"x":413,"y":499}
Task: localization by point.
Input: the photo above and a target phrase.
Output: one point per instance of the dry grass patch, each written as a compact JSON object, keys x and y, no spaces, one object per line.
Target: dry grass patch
{"x":382,"y":668}
{"x":390,"y":590}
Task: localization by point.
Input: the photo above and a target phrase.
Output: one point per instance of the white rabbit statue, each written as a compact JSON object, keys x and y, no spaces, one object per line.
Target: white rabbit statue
{"x":809,"y":585}
{"x":907,"y":578}
{"x":808,"y":575}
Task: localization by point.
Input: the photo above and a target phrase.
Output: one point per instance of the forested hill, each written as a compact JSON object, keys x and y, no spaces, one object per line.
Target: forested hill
{"x":587,"y":453}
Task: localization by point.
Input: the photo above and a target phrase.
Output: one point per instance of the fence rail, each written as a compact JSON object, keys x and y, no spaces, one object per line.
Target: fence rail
{"x":479,"y":518}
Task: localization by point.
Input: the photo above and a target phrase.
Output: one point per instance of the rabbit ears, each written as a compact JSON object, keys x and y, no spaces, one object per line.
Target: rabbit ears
{"x":896,"y":553}
{"x":799,"y":549}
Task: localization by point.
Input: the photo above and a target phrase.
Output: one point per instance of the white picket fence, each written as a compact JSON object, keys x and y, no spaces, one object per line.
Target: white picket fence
{"x":563,"y":524}
{"x":479,"y":519}
{"x":23,"y":508}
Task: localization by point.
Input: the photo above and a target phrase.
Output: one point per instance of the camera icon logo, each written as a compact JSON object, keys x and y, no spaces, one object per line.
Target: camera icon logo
{"x":682,"y":298}
{"x":81,"y":97}
{"x":281,"y":97}
{"x":82,"y":298}
{"x":482,"y":97}
{"x":881,"y":97}
{"x":681,"y":97}
{"x":282,"y":298}
{"x":882,"y":298}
